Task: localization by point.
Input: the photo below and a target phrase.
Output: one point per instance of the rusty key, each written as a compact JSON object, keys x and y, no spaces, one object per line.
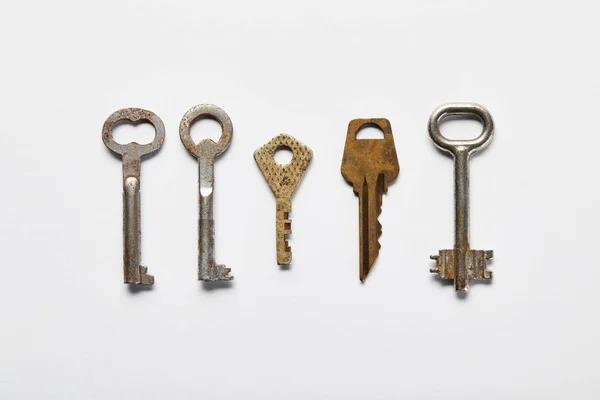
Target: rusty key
{"x":369,"y":165}
{"x":461,"y":263}
{"x":207,"y":152}
{"x":132,"y":154}
{"x":283,"y":181}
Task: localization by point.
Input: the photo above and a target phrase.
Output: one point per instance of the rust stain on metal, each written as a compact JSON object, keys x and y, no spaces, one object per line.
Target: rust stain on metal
{"x":369,"y":165}
{"x":461,"y":263}
{"x":131,"y":154}
{"x":283,"y":181}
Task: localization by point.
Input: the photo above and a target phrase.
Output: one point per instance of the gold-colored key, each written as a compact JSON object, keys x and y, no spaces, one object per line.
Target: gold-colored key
{"x":369,"y":165}
{"x":283,"y":180}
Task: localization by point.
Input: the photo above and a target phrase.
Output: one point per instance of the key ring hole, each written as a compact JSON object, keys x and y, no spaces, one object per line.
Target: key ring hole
{"x":460,"y":127}
{"x":369,"y":131}
{"x":454,"y":111}
{"x":205,"y":127}
{"x":140,"y":132}
{"x":283,"y":155}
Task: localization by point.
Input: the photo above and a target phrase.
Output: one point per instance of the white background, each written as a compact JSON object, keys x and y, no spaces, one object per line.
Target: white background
{"x":70,"y":329}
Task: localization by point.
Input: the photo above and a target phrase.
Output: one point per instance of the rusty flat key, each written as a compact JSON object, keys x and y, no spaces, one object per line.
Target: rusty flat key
{"x":283,"y":181}
{"x":207,"y":152}
{"x":132,"y":154}
{"x":461,"y":263}
{"x":369,"y":165}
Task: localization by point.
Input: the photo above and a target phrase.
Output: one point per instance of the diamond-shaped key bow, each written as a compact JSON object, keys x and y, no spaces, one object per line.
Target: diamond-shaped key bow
{"x":283,"y":181}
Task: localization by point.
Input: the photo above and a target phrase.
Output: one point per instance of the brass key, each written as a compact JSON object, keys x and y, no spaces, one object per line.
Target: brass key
{"x":283,"y":181}
{"x":369,"y":165}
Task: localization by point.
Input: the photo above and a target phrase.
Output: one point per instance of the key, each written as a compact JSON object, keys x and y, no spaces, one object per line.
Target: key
{"x":283,"y":181}
{"x":461,"y":263}
{"x":131,"y":154}
{"x":369,"y":165}
{"x":207,"y":151}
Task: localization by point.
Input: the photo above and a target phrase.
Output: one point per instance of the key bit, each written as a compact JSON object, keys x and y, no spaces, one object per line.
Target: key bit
{"x":461,"y":263}
{"x":132,"y":154}
{"x":283,"y":181}
{"x":207,"y":151}
{"x":369,"y":165}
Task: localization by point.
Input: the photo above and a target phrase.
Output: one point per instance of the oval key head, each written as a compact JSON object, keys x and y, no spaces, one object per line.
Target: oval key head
{"x":206,"y":147}
{"x":283,"y":179}
{"x":461,"y":109}
{"x":134,"y":115}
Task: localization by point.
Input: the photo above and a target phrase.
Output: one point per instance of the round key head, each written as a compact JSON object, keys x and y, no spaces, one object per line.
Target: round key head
{"x":206,"y":147}
{"x":134,"y":115}
{"x":461,"y":109}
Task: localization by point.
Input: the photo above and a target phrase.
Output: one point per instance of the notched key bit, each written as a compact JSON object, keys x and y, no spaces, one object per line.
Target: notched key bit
{"x":132,"y":154}
{"x":207,"y":151}
{"x":369,"y":165}
{"x":283,"y":181}
{"x":461,"y":263}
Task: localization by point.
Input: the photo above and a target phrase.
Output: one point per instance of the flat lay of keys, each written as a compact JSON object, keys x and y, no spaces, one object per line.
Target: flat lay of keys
{"x":369,"y":165}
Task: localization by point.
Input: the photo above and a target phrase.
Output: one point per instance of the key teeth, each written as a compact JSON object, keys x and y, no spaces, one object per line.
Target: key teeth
{"x":145,"y":279}
{"x":446,"y":266}
{"x":217,"y":273}
{"x":287,"y":227}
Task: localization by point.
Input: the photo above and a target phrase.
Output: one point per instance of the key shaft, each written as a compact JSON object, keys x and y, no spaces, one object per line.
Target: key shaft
{"x":207,"y":268}
{"x":369,"y":208}
{"x":131,"y":154}
{"x":283,"y":228}
{"x":133,"y":272}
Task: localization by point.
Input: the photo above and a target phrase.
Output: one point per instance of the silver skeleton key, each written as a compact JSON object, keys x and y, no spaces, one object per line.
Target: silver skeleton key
{"x":207,"y":152}
{"x":283,"y":181}
{"x":461,"y":263}
{"x":132,"y":154}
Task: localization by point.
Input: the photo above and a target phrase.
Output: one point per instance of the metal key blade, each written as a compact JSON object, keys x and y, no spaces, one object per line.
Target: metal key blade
{"x":369,"y":165}
{"x":369,"y":207}
{"x":283,"y":181}
{"x":132,"y":154}
{"x":208,"y":269}
{"x":207,"y":151}
{"x":283,"y":228}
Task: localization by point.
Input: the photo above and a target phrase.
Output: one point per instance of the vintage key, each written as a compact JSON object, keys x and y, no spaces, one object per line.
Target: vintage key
{"x":132,"y":154}
{"x":283,"y":181}
{"x":369,"y":165}
{"x":207,"y":151}
{"x":461,"y":263}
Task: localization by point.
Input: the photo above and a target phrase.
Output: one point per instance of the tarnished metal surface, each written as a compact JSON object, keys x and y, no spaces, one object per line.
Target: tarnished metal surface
{"x":369,"y":165}
{"x":207,"y":151}
{"x":461,"y":263}
{"x":132,"y":154}
{"x":283,"y":181}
